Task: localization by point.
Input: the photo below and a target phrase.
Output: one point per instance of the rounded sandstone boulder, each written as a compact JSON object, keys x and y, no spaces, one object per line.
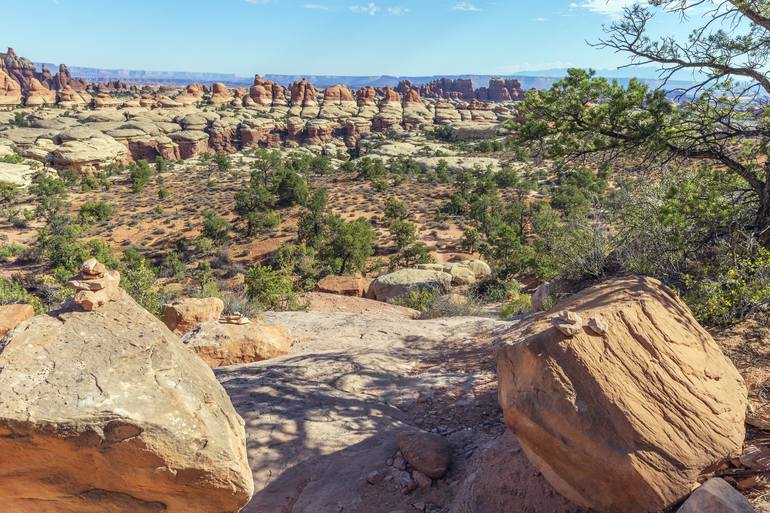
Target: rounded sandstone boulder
{"x":623,"y":418}
{"x":107,"y":411}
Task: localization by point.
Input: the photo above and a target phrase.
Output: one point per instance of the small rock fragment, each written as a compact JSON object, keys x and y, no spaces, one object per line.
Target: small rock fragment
{"x":374,"y":477}
{"x":569,"y":323}
{"x":429,"y":453}
{"x":422,"y":480}
{"x":598,"y":325}
{"x":715,"y":495}
{"x":92,"y":267}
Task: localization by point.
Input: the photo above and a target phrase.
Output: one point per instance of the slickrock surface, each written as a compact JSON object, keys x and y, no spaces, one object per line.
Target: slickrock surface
{"x":323,"y":422}
{"x":107,"y":411}
{"x":626,"y":420}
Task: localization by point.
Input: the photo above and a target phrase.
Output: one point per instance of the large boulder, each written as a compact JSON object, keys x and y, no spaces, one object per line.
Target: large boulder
{"x":400,"y":283}
{"x":220,"y":344}
{"x":635,"y":387}
{"x":107,"y":411}
{"x":344,"y":285}
{"x":185,"y":314}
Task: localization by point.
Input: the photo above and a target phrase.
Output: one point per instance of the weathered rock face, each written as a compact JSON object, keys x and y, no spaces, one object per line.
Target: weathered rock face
{"x":303,"y":94}
{"x":20,"y":69}
{"x":344,"y":285}
{"x":11,"y":315}
{"x":645,"y":394}
{"x":10,"y":89}
{"x":186,"y":314}
{"x":221,"y":343}
{"x":449,"y":89}
{"x":108,"y":411}
{"x":366,"y":96}
{"x":338,"y":93}
{"x":400,"y":283}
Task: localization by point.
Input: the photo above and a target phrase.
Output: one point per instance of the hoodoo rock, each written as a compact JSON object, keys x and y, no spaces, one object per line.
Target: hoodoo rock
{"x":651,"y":401}
{"x":107,"y":411}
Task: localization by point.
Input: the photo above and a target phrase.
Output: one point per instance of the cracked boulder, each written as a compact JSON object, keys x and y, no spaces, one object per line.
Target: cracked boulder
{"x":645,"y":394}
{"x":107,"y":411}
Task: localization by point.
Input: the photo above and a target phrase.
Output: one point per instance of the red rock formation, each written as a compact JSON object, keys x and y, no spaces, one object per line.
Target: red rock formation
{"x":10,"y":89}
{"x":303,"y":93}
{"x":366,"y":96}
{"x":500,"y":90}
{"x":337,"y":94}
{"x":194,"y":90}
{"x":20,"y":69}
{"x":457,"y":89}
{"x":390,"y":96}
{"x":412,"y":95}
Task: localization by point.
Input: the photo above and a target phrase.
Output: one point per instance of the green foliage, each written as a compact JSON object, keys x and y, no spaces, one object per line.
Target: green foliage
{"x":270,"y":289}
{"x":395,"y":209}
{"x":312,"y":226}
{"x":222,"y":162}
{"x":418,"y":299}
{"x":577,"y":190}
{"x":442,"y":133}
{"x":10,"y":250}
{"x":50,"y":194}
{"x":291,"y":188}
{"x":161,"y":164}
{"x":215,"y":227}
{"x":58,"y":246}
{"x":12,"y":292}
{"x":735,"y":286}
{"x":95,"y":211}
{"x":137,"y":277}
{"x":404,"y":233}
{"x":349,"y":246}
{"x":139,"y":174}
{"x":172,"y":267}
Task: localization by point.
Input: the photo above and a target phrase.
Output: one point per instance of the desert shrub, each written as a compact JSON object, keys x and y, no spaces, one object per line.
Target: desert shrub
{"x":163,"y":194}
{"x":58,"y":247}
{"x":310,"y":164}
{"x":50,"y":195}
{"x":735,"y":286}
{"x":215,"y":228}
{"x":10,"y":250}
{"x":291,"y":188}
{"x":577,"y":190}
{"x":95,"y":211}
{"x":299,"y":260}
{"x":441,"y":132}
{"x":312,"y":226}
{"x":270,"y":289}
{"x":139,"y":174}
{"x":254,"y":205}
{"x":12,"y":292}
{"x":349,"y":246}
{"x":395,"y":209}
{"x":518,"y":303}
{"x":404,"y":233}
{"x":418,"y":299}
{"x":369,"y":169}
{"x":161,"y":164}
{"x":451,"y":305}
{"x":222,"y":162}
{"x":411,"y":255}
{"x":137,"y":278}
{"x":173,"y":266}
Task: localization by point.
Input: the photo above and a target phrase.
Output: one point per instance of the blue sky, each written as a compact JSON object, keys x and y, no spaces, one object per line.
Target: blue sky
{"x":332,"y":37}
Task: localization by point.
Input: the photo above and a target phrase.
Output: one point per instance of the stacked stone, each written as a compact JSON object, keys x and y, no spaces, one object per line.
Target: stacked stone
{"x":95,"y":285}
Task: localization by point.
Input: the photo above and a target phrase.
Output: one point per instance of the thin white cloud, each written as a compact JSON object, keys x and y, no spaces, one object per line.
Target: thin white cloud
{"x":540,"y":19}
{"x":370,"y":9}
{"x":398,"y":11}
{"x":465,"y":7}
{"x":317,"y":7}
{"x":606,"y":7}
